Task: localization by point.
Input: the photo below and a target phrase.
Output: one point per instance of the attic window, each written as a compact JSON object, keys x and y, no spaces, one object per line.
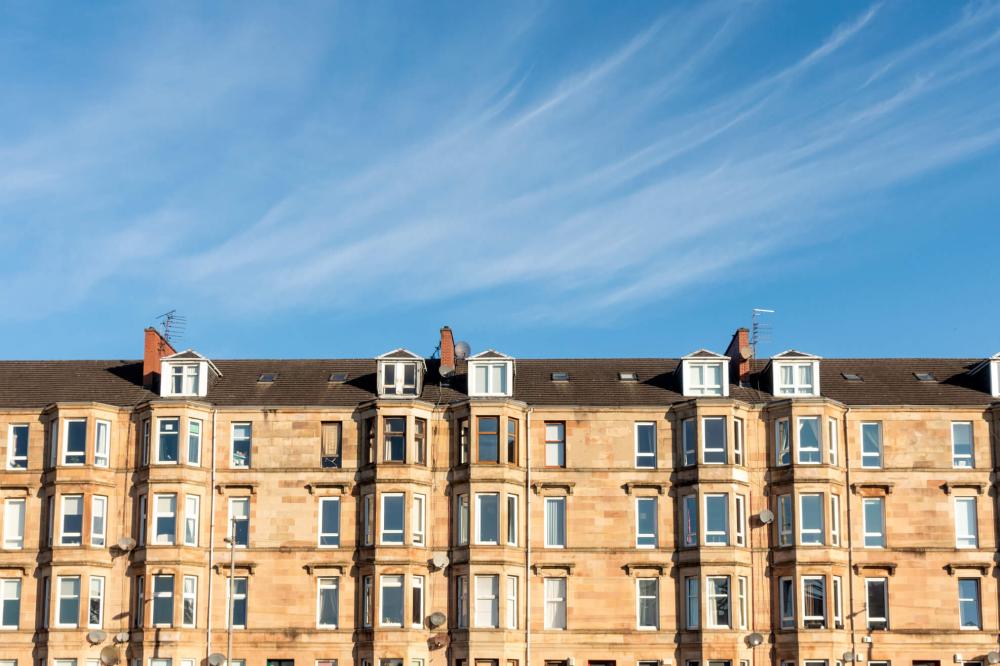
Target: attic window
{"x":628,"y":377}
{"x":267,"y":377}
{"x":560,"y":376}
{"x":924,"y":376}
{"x":851,"y":377}
{"x":338,"y":377}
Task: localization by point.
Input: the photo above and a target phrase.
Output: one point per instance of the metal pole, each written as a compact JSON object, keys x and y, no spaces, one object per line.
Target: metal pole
{"x":229,"y":605}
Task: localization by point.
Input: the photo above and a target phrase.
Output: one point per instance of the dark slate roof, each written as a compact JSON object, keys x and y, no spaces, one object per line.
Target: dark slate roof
{"x":593,"y":382}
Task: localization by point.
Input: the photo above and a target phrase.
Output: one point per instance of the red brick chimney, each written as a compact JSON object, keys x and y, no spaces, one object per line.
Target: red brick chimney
{"x":738,"y":352}
{"x":447,"y":347}
{"x":155,"y":348}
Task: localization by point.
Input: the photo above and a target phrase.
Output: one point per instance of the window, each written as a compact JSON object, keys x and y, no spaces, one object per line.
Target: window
{"x":871,"y":445}
{"x":838,"y":603}
{"x":417,"y":601}
{"x":391,"y":601}
{"x":512,"y":609}
{"x":462,"y":517}
{"x":742,"y":588}
{"x":555,"y":603}
{"x":462,"y":601}
{"x":45,"y":602}
{"x":488,"y":439}
{"x":163,"y":601}
{"x":645,"y":522}
{"x":369,"y":451}
{"x":189,"y":610}
{"x":239,"y":520}
{"x":511,"y":520}
{"x":140,"y":599}
{"x":782,"y":447}
{"x":832,"y":431}
{"x":54,"y":442}
{"x":488,"y":518}
{"x":877,"y":595}
{"x":368,"y":519}
{"x":512,"y":436}
{"x":184,"y":378}
{"x":75,"y":443}
{"x":10,"y":603}
{"x":795,"y":379}
{"x":814,"y":602}
{"x":13,"y":524}
{"x":961,"y":445}
{"x":968,"y":604}
{"x":392,"y":519}
{"x":463,"y":441}
{"x":327,"y":602}
{"x":399,"y":378}
{"x":192,"y":509}
{"x":72,"y":520}
{"x":167,"y":440}
{"x":691,"y":605}
{"x":417,"y":516}
{"x":966,"y":527}
{"x":713,"y":429}
{"x":811,"y":519}
{"x":330,"y":443}
{"x":242,"y":444}
{"x":145,"y":441}
{"x":786,"y":602}
{"x":689,"y":443}
{"x":142,"y":520}
{"x":808,"y":445}
{"x":690,"y":517}
{"x":784,"y":520}
{"x":738,"y":442}
{"x":329,"y":522}
{"x":17,"y":447}
{"x":835,"y":520}
{"x":874,"y":522}
{"x":741,"y":520}
{"x":488,"y":378}
{"x":366,"y":601}
{"x":394,"y":438}
{"x":95,"y":603}
{"x":704,"y":378}
{"x":647,"y":593}
{"x":717,"y":600}
{"x":420,"y":441}
{"x":194,"y":442}
{"x":645,"y":445}
{"x":102,"y":443}
{"x":487,"y":602}
{"x":555,"y":522}
{"x":237,"y":596}
{"x":68,"y":601}
{"x":717,"y":519}
{"x":98,"y":520}
{"x":555,"y":444}
{"x":164,"y":519}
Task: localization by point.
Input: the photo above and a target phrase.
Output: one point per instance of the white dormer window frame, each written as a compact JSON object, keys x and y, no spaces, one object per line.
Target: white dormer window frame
{"x":495,"y":370}
{"x":184,"y":378}
{"x":699,"y":367}
{"x":400,"y":376}
{"x":995,"y":376}
{"x":185,"y":375}
{"x":796,"y":376}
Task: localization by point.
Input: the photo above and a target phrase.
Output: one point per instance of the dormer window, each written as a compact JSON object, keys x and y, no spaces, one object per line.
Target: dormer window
{"x":490,"y":374}
{"x":795,"y":374}
{"x":400,"y":373}
{"x":705,"y":373}
{"x":995,"y":376}
{"x":185,"y":374}
{"x":184,"y":379}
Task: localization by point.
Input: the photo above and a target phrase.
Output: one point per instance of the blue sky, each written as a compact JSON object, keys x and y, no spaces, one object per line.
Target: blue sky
{"x":550,"y":179}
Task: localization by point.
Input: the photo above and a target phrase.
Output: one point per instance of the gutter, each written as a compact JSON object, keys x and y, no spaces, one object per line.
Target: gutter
{"x":211,"y":543}
{"x":849,"y":534}
{"x":527,"y":540}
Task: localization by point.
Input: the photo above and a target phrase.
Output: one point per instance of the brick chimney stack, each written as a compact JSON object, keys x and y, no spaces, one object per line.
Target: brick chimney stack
{"x":447,"y":347}
{"x":738,"y":352}
{"x":154,"y":349}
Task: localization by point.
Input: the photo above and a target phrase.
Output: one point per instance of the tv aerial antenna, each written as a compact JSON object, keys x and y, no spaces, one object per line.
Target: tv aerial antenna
{"x":760,"y":328}
{"x":173,"y":326}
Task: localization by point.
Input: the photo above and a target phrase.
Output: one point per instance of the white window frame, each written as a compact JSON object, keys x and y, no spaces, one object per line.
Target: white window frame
{"x":389,"y":581}
{"x":192,"y":519}
{"x":230,"y":527}
{"x":399,"y":385}
{"x":512,"y":519}
{"x":697,"y":379}
{"x":813,"y":618}
{"x":487,"y":600}
{"x":838,"y":602}
{"x":327,"y":583}
{"x":189,"y":596}
{"x":799,"y":386}
{"x":418,"y":517}
{"x":834,"y":520}
{"x":867,"y":458}
{"x":232,"y":445}
{"x":95,"y":592}
{"x":63,"y":534}
{"x":812,"y":532}
{"x":817,"y":450}
{"x":163,"y":595}
{"x":158,"y":538}
{"x":417,"y":601}
{"x":714,"y":534}
{"x":513,"y":612}
{"x":640,"y":597}
{"x":189,"y":375}
{"x":13,"y":523}
{"x":462,"y":602}
{"x":885,"y":596}
{"x":382,"y":531}
{"x":195,"y":428}
{"x":833,"y":440}
{"x":555,"y":500}
{"x":232,"y":596}
{"x":65,"y":443}
{"x":864,"y":521}
{"x":782,"y":443}
{"x":738,"y":434}
{"x":102,"y":443}
{"x":98,"y":531}
{"x":555,"y":449}
{"x":963,"y":461}
{"x":158,"y":458}
{"x":10,"y":592}
{"x":689,"y":442}
{"x":742,"y":587}
{"x":462,"y":519}
{"x":971,"y":538}
{"x":13,"y":460}
{"x":705,"y":450}
{"x":497,"y":372}
{"x":711,"y":602}
{"x":320,"y":534}
{"x":60,"y":599}
{"x":978,"y":600}
{"x":639,"y":534}
{"x":644,"y":459}
{"x":480,"y":497}
{"x":556,"y":599}
{"x":741,"y":520}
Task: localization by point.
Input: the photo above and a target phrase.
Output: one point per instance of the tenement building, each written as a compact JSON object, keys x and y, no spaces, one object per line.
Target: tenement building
{"x":482,"y":510}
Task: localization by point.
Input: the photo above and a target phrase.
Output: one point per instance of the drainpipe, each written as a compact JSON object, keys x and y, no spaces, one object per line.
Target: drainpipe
{"x":211,"y":542}
{"x":527,"y":541}
{"x":849,"y":532}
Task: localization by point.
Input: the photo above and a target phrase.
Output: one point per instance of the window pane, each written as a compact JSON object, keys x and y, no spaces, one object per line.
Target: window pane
{"x":874,"y":522}
{"x":646,"y":522}
{"x":811,"y":519}
{"x":392,"y":519}
{"x":488,"y":517}
{"x":489,"y":439}
{"x":715,"y":440}
{"x":968,"y":603}
{"x":169,"y":435}
{"x":961,"y":438}
{"x":645,"y":445}
{"x":809,"y":440}
{"x":555,"y":521}
{"x":392,"y":600}
{"x":717,"y":519}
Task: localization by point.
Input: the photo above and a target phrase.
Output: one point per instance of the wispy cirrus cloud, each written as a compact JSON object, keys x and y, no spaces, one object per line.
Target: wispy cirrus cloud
{"x":597,"y":179}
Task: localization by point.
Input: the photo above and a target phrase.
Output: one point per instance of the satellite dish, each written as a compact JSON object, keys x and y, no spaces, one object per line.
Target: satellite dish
{"x":439,"y":560}
{"x":755,"y":639}
{"x":436,"y":619}
{"x":746,"y":352}
{"x":95,"y":637}
{"x":462,"y":350}
{"x":121,"y":637}
{"x":993,"y":657}
{"x":110,"y":656}
{"x":446,"y":371}
{"x":126,"y":544}
{"x":766,"y":516}
{"x":216,"y":659}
